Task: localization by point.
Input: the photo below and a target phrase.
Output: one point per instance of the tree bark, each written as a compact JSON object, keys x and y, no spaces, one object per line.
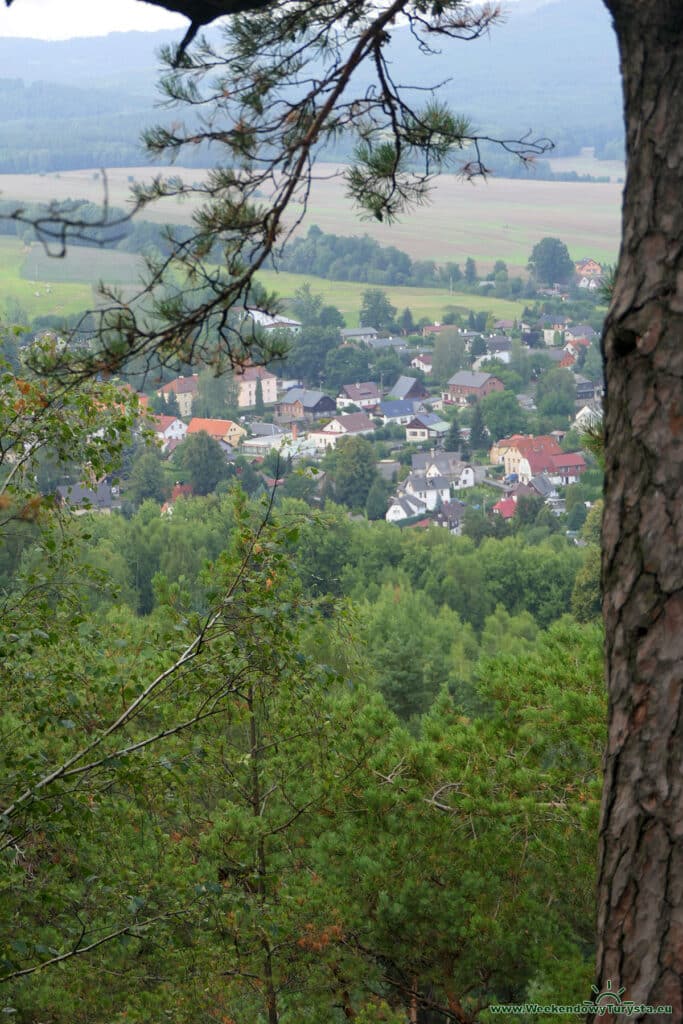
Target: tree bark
{"x":640,"y":886}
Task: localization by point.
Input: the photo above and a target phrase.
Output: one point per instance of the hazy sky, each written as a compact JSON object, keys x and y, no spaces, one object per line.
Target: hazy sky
{"x":61,"y":19}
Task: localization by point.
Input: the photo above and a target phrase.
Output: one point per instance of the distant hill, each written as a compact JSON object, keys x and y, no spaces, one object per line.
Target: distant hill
{"x":551,"y":69}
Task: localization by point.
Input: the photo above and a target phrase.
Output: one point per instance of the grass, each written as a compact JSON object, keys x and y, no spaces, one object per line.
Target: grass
{"x":33,"y":296}
{"x":488,"y":220}
{"x":82,"y":264}
{"x":347,"y":296}
{"x":26,"y":275}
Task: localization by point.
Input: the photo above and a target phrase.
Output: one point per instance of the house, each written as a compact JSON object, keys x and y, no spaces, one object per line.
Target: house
{"x":352,"y":424}
{"x":590,"y":283}
{"x":365,"y":334}
{"x":382,"y":344}
{"x":575,"y":346}
{"x":80,"y":499}
{"x":425,"y":426}
{"x":247,"y":380}
{"x":525,"y":457}
{"x":220,"y":430}
{"x":185,"y":390}
{"x":168,"y":428}
{"x":498,"y":450}
{"x":257,"y":428}
{"x":498,"y":346}
{"x":300,"y":404}
{"x":466,"y":383}
{"x":179,"y":491}
{"x":397,"y":411}
{"x":585,"y":389}
{"x":424,"y":361}
{"x":543,"y":486}
{"x":429,"y":330}
{"x":505,"y":508}
{"x":580,"y":331}
{"x":432,"y":490}
{"x":261,"y":444}
{"x":365,"y":395}
{"x":448,"y":465}
{"x":588,"y":267}
{"x":268,"y":322}
{"x":408,"y":387}
{"x":504,"y":325}
{"x":451,"y":515}
{"x":566,"y":468}
{"x":590,"y":415}
{"x":404,"y":507}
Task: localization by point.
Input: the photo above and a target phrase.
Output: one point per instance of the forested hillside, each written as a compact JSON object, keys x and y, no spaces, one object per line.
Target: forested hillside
{"x":267,"y":763}
{"x":556,"y":62}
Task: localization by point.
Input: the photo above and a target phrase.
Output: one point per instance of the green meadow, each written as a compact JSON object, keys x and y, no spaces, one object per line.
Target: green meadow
{"x":347,"y":296}
{"x":41,"y":284}
{"x":37,"y":296}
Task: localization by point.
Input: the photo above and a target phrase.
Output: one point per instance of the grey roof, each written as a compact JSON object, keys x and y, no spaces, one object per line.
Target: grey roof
{"x":411,"y":505}
{"x":469,"y":379}
{"x":379,"y":343}
{"x":358,"y":332}
{"x":418,"y":480}
{"x":430,"y":419}
{"x":583,"y":331}
{"x":259,"y":429}
{"x":397,"y":407}
{"x":403,"y":386}
{"x":309,"y":399}
{"x":498,"y":343}
{"x":446,"y":462}
{"x":79,"y":496}
{"x":542,"y":485}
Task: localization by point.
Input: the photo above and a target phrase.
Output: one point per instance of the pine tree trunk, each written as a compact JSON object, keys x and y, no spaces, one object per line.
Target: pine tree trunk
{"x":640,"y":910}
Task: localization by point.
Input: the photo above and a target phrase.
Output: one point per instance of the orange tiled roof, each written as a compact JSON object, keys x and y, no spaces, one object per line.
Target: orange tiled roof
{"x":215,"y":428}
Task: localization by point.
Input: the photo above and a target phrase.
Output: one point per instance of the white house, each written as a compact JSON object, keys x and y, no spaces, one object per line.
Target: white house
{"x":426,"y":426}
{"x":352,"y":424}
{"x":430,"y":490}
{"x":423,"y":362}
{"x":404,"y":507}
{"x":169,"y":428}
{"x":365,"y":395}
{"x":270,"y":323}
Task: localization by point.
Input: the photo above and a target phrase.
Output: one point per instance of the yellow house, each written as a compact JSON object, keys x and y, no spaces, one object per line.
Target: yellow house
{"x":219,"y":430}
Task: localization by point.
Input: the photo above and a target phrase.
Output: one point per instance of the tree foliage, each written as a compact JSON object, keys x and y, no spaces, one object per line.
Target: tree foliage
{"x":550,"y":262}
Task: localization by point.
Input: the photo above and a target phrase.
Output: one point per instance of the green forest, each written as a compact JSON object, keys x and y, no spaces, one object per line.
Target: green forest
{"x":266,"y":763}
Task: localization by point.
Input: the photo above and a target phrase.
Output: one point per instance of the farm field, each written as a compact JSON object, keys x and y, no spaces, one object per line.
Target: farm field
{"x":429,"y":302}
{"x":26,"y":276}
{"x":37,"y":298}
{"x":82,"y":264}
{"x":488,"y":220}
{"x":586,"y":164}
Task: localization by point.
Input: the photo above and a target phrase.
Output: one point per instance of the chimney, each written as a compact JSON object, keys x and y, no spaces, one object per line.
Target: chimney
{"x":295,"y":431}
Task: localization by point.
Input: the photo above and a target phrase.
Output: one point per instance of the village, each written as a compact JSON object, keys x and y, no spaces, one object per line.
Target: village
{"x":437,"y":444}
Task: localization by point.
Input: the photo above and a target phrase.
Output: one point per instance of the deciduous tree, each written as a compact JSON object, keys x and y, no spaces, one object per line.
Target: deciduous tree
{"x":550,"y":261}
